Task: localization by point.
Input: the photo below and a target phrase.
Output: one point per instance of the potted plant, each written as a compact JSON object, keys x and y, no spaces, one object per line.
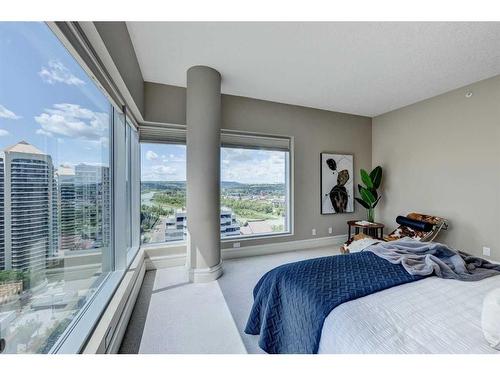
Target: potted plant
{"x":369,"y":196}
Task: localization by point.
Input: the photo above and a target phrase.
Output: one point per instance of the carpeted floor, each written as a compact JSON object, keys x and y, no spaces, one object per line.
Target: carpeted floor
{"x":174,"y":316}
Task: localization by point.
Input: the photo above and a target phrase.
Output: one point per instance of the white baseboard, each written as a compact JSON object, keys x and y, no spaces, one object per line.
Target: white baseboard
{"x":204,"y":275}
{"x":164,"y":259}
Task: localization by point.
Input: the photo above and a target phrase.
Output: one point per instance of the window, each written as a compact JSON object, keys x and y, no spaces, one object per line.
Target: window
{"x":58,"y":182}
{"x":254,"y":192}
{"x":255,"y":185}
{"x":163,"y":192}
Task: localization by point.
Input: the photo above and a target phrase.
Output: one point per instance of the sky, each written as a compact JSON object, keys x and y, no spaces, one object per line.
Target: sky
{"x":48,"y":100}
{"x":168,"y":163}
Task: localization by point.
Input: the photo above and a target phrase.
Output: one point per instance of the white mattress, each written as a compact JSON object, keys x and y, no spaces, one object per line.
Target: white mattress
{"x":432,"y":315}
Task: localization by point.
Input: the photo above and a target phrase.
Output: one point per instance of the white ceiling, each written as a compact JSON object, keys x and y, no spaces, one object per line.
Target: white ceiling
{"x":365,"y":68}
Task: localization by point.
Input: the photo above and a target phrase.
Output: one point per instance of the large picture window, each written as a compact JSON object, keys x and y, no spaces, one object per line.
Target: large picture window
{"x":254,"y":192}
{"x":56,"y":190}
{"x":255,"y":185}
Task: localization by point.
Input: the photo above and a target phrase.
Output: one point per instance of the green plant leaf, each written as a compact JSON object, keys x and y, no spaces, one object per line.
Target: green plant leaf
{"x":365,"y":177}
{"x":359,"y":188}
{"x":376,"y":176}
{"x":376,"y":202}
{"x":363,"y":203}
{"x":367,"y":196}
{"x":374,"y":192}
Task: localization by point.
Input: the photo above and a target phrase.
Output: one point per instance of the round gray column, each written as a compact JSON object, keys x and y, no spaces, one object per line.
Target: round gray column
{"x":203,"y":119}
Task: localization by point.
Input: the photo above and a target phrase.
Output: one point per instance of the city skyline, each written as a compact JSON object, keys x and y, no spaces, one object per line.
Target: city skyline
{"x":44,"y":211}
{"x":52,"y":113}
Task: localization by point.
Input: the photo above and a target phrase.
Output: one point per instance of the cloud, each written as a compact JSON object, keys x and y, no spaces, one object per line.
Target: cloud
{"x":43,"y":132}
{"x":161,"y":173}
{"x":237,"y":154}
{"x":151,"y":155}
{"x":253,"y":166}
{"x":74,"y":121}
{"x":4,"y":133}
{"x":56,"y":72}
{"x":173,"y":159}
{"x":5,"y":113}
{"x":163,"y":169}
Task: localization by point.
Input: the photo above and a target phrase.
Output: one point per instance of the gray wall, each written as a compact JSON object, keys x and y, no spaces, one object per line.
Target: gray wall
{"x":442,"y":156}
{"x":119,"y":45}
{"x":164,"y":103}
{"x":313,"y":130}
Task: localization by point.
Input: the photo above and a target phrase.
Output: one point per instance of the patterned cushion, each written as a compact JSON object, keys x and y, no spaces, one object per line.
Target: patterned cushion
{"x":404,"y":231}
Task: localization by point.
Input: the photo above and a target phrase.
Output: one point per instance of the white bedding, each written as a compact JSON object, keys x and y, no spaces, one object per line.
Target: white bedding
{"x":432,"y":315}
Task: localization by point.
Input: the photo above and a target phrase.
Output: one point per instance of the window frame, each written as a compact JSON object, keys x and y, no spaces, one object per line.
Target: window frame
{"x":135,"y":191}
{"x":128,"y":183}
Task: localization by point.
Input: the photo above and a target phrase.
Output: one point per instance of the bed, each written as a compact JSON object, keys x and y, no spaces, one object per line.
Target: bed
{"x":383,"y":300}
{"x":432,"y":315}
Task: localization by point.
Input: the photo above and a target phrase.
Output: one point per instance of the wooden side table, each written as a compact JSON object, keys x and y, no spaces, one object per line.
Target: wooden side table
{"x":375,"y":230}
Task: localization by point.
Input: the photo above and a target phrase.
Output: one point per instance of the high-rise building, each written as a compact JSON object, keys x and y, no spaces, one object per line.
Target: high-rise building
{"x":29,"y":224}
{"x":66,"y":203}
{"x":2,"y":216}
{"x":176,"y":226}
{"x":54,"y":238}
{"x":93,"y":203}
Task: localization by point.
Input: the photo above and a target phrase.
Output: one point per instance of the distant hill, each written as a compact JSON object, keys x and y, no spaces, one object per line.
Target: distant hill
{"x":233,"y":186}
{"x":224,"y":184}
{"x":163,"y":185}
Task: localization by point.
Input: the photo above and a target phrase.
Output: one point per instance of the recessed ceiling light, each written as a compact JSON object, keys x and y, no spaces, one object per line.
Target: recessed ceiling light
{"x":468,"y":94}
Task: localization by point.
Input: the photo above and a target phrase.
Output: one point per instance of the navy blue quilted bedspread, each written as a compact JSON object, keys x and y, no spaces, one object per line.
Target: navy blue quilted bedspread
{"x":292,"y":301}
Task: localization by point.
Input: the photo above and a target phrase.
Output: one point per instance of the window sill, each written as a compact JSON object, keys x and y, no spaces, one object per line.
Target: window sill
{"x":178,"y":244}
{"x":257,"y":237}
{"x":163,"y":245}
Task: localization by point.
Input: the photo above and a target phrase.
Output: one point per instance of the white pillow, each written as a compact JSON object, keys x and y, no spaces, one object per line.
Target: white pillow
{"x":490,"y":319}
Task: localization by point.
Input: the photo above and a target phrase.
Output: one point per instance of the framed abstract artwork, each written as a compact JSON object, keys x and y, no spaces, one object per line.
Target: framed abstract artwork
{"x":337,"y":194}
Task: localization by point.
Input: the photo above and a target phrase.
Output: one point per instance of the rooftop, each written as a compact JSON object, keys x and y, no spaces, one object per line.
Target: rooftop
{"x":24,"y":148}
